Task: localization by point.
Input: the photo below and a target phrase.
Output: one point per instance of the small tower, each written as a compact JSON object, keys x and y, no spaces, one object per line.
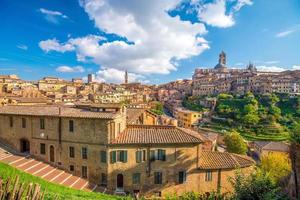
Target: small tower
{"x":222,"y":58}
{"x":222,"y":62}
{"x":126,"y":77}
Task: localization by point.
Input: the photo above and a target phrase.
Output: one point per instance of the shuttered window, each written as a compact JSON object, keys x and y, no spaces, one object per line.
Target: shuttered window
{"x":103,"y":156}
{"x":208,"y":176}
{"x":23,"y":123}
{"x":84,"y":153}
{"x":161,"y":155}
{"x":122,"y":156}
{"x":42,"y":149}
{"x":42,"y":123}
{"x":71,"y":126}
{"x":113,"y":157}
{"x":182,"y":177}
{"x":71,"y":152}
{"x":136,"y":178}
{"x":157,"y":177}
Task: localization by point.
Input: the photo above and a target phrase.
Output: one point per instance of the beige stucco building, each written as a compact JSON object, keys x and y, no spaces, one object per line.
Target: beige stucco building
{"x":94,"y":142}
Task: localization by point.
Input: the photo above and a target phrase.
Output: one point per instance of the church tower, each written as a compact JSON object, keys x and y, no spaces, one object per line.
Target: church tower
{"x":126,"y":77}
{"x":222,"y":62}
{"x":222,"y":58}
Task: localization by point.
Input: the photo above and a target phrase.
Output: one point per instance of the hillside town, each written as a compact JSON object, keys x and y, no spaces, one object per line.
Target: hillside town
{"x":140,"y":139}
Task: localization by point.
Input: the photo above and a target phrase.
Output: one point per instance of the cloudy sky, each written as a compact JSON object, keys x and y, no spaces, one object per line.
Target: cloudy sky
{"x":156,"y":41}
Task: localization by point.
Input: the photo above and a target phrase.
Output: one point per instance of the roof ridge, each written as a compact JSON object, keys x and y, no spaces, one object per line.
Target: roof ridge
{"x":182,"y":130}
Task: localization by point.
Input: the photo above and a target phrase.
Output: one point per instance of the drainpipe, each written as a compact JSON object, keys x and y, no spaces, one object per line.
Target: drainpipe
{"x":219,"y":182}
{"x":59,"y":126}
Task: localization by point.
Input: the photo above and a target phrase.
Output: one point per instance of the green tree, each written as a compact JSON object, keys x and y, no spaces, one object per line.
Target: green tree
{"x":295,"y":133}
{"x":158,"y":108}
{"x":277,"y":165}
{"x":257,"y":186}
{"x":250,"y":119}
{"x":235,"y":143}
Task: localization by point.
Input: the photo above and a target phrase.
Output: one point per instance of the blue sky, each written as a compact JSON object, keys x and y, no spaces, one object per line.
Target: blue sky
{"x":156,"y":41}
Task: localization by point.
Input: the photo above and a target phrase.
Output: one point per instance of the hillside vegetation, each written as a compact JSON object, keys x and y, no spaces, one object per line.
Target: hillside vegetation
{"x":257,"y":117}
{"x":52,"y":190}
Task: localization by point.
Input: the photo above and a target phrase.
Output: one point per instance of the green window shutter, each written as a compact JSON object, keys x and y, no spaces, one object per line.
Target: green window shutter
{"x":113,"y":156}
{"x":152,"y":155}
{"x":144,"y":155}
{"x":125,"y":156}
{"x":137,"y":156}
{"x":103,"y":157}
{"x":163,"y":155}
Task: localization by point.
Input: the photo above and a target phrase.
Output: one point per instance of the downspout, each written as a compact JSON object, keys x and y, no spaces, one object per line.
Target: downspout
{"x":219,"y":182}
{"x":59,"y":126}
{"x":294,"y":159}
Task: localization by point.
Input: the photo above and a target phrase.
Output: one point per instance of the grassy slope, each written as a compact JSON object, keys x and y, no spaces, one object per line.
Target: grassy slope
{"x":52,"y":189}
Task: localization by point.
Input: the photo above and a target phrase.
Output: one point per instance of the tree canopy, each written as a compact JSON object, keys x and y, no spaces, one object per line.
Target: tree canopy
{"x":235,"y":143}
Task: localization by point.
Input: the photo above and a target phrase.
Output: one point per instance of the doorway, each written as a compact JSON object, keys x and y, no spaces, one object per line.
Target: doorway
{"x":25,"y":146}
{"x":120,"y":181}
{"x":52,"y":156}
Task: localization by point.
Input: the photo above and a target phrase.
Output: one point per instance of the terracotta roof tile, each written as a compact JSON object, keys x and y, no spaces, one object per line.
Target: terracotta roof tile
{"x":133,"y":114}
{"x":154,"y":134}
{"x":55,"y":111}
{"x":223,"y":160}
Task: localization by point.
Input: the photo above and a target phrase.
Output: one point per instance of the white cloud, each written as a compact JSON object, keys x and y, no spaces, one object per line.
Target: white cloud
{"x":272,"y":62}
{"x":296,"y":67}
{"x":68,"y":69}
{"x":54,"y":45}
{"x":265,"y":68}
{"x":117,"y":76}
{"x":22,"y":46}
{"x":214,"y":14}
{"x":284,"y":33}
{"x":52,"y":16}
{"x":242,"y":3}
{"x":158,"y":39}
{"x":288,"y":31}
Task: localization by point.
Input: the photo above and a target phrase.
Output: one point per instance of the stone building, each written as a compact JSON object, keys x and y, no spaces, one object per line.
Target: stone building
{"x":222,"y":79}
{"x":94,"y":142}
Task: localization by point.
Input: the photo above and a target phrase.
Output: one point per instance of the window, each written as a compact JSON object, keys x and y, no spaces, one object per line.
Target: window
{"x":152,"y":155}
{"x":72,"y":168}
{"x":208,"y":176}
{"x":71,"y":126}
{"x":11,"y":121}
{"x":118,"y":156}
{"x":136,"y":178}
{"x":42,"y":149}
{"x":84,"y":171}
{"x":122,"y":156}
{"x":84,"y":153}
{"x":161,"y":155}
{"x":157,"y":177}
{"x":42,"y":123}
{"x":181,"y":177}
{"x":140,"y":156}
{"x":103,"y":179}
{"x":23,"y":123}
{"x":72,"y":152}
{"x":103,"y":156}
{"x":113,"y":157}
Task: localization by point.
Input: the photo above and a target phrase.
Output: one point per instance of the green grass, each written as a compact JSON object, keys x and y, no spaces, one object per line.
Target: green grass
{"x":262,"y":137}
{"x":52,"y":189}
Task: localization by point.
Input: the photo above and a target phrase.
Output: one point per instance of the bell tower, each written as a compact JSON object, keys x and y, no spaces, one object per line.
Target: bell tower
{"x":126,"y":77}
{"x":222,"y":58}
